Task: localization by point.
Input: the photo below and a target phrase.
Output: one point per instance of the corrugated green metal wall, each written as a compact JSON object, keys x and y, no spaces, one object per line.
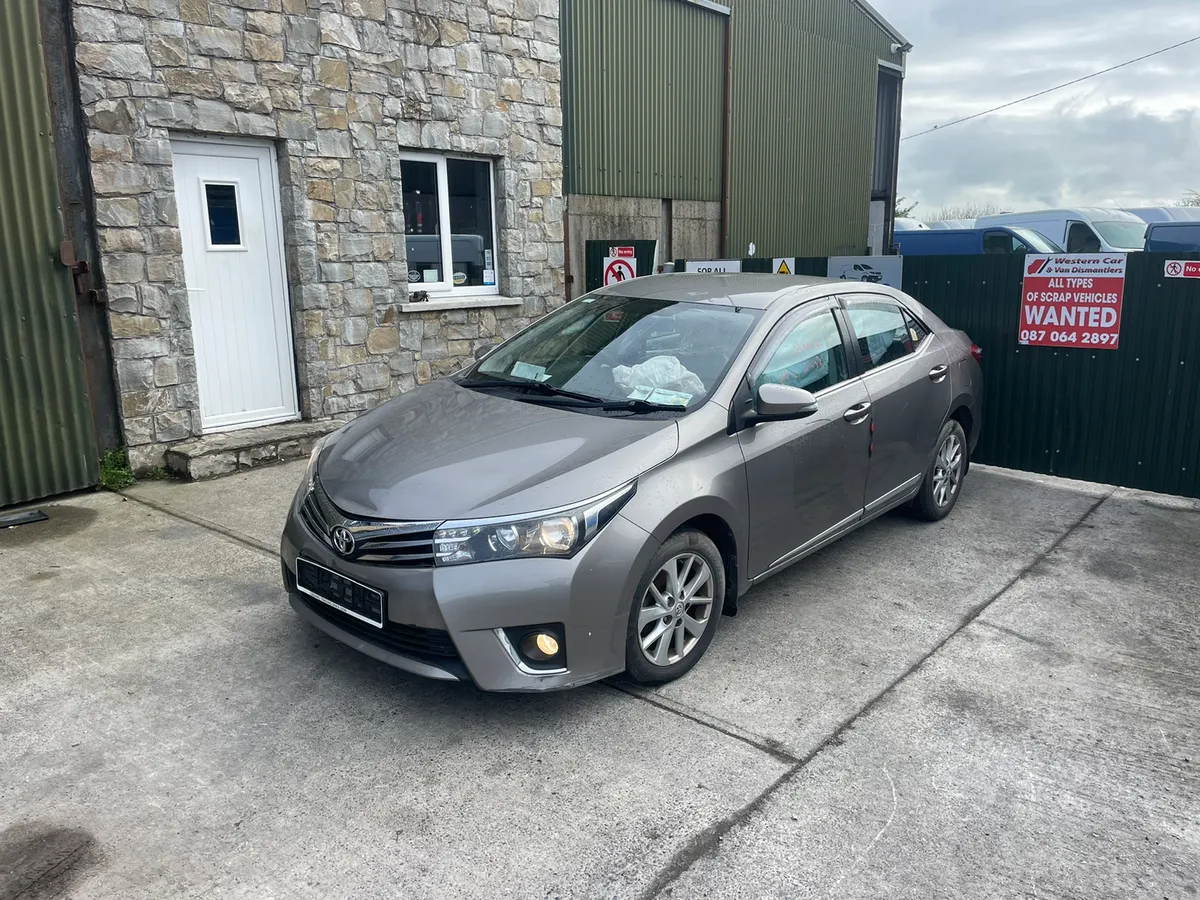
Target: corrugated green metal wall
{"x":47,"y":445}
{"x":1129,"y":416}
{"x":643,"y":98}
{"x":802,"y":144}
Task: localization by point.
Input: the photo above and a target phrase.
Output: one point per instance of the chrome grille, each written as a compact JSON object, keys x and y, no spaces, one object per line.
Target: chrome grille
{"x":408,"y":544}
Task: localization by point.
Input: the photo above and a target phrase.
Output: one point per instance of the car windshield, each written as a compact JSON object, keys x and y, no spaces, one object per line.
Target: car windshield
{"x":621,"y":349}
{"x":1036,"y":240}
{"x":1126,"y":235}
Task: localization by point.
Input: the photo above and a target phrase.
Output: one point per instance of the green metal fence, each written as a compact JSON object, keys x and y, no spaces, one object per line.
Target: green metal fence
{"x":47,"y":443}
{"x":1128,"y":417}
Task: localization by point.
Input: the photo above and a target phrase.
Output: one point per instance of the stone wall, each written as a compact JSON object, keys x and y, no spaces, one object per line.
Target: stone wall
{"x":339,"y":86}
{"x":684,"y":229}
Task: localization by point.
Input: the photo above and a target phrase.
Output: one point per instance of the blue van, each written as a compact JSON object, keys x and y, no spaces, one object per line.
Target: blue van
{"x":1173,"y":237}
{"x":970,"y":241}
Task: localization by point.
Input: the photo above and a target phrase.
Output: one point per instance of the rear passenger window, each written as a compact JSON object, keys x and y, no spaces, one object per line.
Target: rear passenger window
{"x":882,"y":331}
{"x":918,"y":331}
{"x":811,"y":356}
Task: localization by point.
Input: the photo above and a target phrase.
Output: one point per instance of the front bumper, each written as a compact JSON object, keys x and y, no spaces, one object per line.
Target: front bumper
{"x":589,"y":594}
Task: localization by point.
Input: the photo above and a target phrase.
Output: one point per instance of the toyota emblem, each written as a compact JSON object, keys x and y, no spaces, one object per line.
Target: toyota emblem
{"x":343,"y":540}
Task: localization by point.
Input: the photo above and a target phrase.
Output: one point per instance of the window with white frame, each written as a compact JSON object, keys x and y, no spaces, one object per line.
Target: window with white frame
{"x":450,"y":224}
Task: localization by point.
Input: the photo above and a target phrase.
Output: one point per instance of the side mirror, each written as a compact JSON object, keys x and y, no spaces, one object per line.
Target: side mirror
{"x":481,"y":352}
{"x":778,"y":402}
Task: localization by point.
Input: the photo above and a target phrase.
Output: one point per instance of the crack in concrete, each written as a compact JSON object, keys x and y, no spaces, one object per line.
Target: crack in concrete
{"x":707,"y":842}
{"x":1036,"y":642}
{"x":228,"y":533}
{"x":762,"y":744}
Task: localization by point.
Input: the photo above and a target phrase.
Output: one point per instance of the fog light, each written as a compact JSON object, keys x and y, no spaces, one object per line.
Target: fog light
{"x":540,"y":646}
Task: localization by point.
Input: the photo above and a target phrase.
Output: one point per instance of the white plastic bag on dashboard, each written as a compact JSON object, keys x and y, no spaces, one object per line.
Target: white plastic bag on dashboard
{"x":664,"y":372}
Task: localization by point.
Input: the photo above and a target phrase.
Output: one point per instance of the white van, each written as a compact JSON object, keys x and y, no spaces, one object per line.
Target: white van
{"x":1089,"y":230}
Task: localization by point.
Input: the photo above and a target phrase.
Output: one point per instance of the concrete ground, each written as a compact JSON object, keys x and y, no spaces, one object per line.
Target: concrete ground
{"x":1005,"y":704}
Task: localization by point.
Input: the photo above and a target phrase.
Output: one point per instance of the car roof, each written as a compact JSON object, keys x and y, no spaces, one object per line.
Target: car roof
{"x":937,"y":232}
{"x":752,"y":291}
{"x":1172,"y":226}
{"x":1091,"y":213}
{"x":1154,"y":214}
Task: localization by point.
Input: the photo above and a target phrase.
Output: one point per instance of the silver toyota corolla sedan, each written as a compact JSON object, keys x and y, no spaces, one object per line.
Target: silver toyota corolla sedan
{"x":593,"y":494}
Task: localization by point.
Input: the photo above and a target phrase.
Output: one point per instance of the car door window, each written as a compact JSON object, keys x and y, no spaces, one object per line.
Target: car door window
{"x":1000,"y":242}
{"x":811,"y":356}
{"x":882,"y":331}
{"x":1081,"y":239}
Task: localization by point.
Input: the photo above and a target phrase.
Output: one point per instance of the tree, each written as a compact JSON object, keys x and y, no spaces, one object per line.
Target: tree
{"x":1190,"y":198}
{"x":965,"y":211}
{"x":904,"y":209}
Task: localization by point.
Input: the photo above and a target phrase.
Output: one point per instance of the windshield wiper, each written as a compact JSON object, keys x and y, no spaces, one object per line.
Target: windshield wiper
{"x":533,"y":387}
{"x":642,"y":406}
{"x":639,"y":406}
{"x":556,"y":396}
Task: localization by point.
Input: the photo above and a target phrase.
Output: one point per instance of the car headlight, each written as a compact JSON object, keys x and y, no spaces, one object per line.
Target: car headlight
{"x":554,"y":533}
{"x":310,"y":472}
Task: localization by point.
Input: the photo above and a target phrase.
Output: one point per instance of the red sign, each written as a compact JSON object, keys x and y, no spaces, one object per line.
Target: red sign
{"x":1073,"y":301}
{"x":622,"y":252}
{"x":1178,"y":268}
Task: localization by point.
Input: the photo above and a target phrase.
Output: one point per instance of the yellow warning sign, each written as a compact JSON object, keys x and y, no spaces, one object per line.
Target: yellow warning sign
{"x":786,"y":266}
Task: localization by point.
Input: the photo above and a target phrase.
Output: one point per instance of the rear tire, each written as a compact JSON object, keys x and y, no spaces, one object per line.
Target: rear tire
{"x":943,"y":481}
{"x":676,"y":608}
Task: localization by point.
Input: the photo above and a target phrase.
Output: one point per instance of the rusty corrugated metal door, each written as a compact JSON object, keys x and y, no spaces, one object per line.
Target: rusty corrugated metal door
{"x":47,"y":445}
{"x":643,"y":98}
{"x":1126,"y":416}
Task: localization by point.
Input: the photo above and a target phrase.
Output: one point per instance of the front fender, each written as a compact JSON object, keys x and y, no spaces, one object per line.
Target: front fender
{"x":705,"y":480}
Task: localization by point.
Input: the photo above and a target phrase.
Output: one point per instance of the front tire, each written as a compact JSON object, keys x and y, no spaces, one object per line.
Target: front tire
{"x":943,"y":482}
{"x":676,"y":609}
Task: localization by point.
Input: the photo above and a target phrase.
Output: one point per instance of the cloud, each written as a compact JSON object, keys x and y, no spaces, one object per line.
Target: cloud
{"x":1124,"y":138}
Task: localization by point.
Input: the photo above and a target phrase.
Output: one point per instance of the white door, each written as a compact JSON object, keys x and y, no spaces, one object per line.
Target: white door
{"x":228,"y":197}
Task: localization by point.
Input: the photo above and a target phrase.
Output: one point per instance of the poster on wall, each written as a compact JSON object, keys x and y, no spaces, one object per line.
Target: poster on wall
{"x":617,"y":260}
{"x":1073,"y":301}
{"x":887,"y":270}
{"x":1182,"y":268}
{"x":620,"y":265}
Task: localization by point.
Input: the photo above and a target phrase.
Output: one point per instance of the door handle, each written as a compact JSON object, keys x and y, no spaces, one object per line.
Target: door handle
{"x":938,"y":373}
{"x":856,"y":415}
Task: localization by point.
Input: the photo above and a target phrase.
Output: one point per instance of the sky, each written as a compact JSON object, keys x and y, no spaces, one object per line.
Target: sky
{"x":1128,"y":138}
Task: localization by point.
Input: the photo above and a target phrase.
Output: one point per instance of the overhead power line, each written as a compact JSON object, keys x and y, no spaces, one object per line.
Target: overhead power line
{"x":1057,"y":87}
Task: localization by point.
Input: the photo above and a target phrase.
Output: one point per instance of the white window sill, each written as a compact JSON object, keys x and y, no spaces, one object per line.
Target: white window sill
{"x":433,"y":304}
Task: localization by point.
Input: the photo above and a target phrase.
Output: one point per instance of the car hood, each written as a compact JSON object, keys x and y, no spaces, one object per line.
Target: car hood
{"x":444,"y":452}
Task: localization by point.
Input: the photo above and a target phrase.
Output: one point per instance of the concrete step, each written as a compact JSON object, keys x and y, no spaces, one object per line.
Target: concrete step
{"x":247,"y":448}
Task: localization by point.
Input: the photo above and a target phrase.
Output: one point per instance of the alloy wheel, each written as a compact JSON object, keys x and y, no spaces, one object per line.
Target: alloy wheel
{"x":947,"y":471}
{"x":675,"y":609}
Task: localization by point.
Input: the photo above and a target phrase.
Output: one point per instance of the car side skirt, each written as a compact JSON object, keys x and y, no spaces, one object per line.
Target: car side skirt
{"x":886,"y":503}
